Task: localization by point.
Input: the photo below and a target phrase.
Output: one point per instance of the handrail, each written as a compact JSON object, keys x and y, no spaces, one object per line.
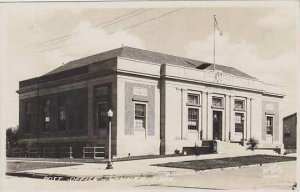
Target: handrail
{"x":94,"y":151}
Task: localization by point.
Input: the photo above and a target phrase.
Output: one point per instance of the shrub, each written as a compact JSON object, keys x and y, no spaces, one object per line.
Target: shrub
{"x":252,"y":143}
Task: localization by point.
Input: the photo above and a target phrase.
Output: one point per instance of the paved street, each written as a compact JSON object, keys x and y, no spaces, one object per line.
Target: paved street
{"x":269,"y":176}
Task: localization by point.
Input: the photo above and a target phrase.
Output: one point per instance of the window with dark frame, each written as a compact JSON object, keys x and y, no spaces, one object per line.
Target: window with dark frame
{"x":81,"y":120}
{"x":62,"y":113}
{"x":217,"y":102}
{"x":102,"y":103}
{"x":101,"y":91}
{"x":269,"y":125}
{"x":193,"y":118}
{"x":102,"y":115}
{"x":287,"y":132}
{"x":28,"y":111}
{"x":193,"y":99}
{"x":70,"y":121}
{"x":140,"y":116}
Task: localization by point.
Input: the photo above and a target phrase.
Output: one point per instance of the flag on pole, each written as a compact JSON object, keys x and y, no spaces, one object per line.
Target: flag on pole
{"x":217,"y":26}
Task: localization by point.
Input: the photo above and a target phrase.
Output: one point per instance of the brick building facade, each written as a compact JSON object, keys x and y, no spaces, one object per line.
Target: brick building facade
{"x":290,"y":132}
{"x":161,"y":103}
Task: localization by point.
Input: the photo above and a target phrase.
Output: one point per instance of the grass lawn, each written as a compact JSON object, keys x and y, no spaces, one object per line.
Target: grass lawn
{"x":226,"y":162}
{"x":22,"y":166}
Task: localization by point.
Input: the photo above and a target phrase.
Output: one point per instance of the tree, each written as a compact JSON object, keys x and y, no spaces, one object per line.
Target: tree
{"x":12,"y":137}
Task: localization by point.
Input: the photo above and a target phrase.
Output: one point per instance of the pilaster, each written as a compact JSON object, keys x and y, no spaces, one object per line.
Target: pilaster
{"x":227,"y":118}
{"x":209,"y":132}
{"x":248,"y":119}
{"x":204,"y":115}
{"x":232,"y":123}
{"x":184,"y":115}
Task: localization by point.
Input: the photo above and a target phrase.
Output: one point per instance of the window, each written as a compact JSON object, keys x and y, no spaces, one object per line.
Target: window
{"x":102,"y":103}
{"x":193,"y":99}
{"x":269,"y":125}
{"x":239,"y":122}
{"x":81,"y":120}
{"x":193,"y":118}
{"x":28,"y":111}
{"x":62,"y":113}
{"x":71,"y":121}
{"x":217,"y":102}
{"x":239,"y":104}
{"x":101,"y":91}
{"x":140,"y":116}
{"x":47,"y":115}
{"x":102,"y":114}
{"x":287,"y":132}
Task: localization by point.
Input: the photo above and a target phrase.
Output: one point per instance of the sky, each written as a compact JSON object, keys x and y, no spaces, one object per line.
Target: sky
{"x":259,"y":39}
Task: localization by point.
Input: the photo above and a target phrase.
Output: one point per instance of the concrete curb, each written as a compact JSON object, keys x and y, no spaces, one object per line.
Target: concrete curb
{"x":60,"y":177}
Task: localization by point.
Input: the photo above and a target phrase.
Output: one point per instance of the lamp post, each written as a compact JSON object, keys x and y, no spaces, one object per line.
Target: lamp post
{"x":109,"y":115}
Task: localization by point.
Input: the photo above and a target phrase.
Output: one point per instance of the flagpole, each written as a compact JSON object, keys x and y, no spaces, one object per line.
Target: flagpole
{"x":214,"y":42}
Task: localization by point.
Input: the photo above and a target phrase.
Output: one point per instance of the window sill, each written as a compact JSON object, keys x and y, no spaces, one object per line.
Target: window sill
{"x":193,"y":105}
{"x":215,"y":107}
{"x":240,"y":109}
{"x":238,"y":131}
{"x":193,"y":131}
{"x":139,"y":129}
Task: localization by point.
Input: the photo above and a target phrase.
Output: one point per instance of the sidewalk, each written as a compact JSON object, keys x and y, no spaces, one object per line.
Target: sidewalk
{"x":136,"y":168}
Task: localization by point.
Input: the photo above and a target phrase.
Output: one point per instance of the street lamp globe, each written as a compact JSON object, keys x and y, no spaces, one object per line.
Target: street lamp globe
{"x":110,"y":113}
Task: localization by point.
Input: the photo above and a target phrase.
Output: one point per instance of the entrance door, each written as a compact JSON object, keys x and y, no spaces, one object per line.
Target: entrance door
{"x":217,"y":125}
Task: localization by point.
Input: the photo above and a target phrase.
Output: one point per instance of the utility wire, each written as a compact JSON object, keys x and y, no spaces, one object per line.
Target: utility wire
{"x":127,"y":28}
{"x":105,"y":24}
{"x":147,"y":21}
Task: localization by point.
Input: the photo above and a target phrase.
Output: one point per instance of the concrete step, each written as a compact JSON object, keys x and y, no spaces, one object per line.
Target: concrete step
{"x":231,"y":148}
{"x":197,"y":150}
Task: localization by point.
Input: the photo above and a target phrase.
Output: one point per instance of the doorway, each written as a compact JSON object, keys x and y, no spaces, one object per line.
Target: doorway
{"x":217,"y":125}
